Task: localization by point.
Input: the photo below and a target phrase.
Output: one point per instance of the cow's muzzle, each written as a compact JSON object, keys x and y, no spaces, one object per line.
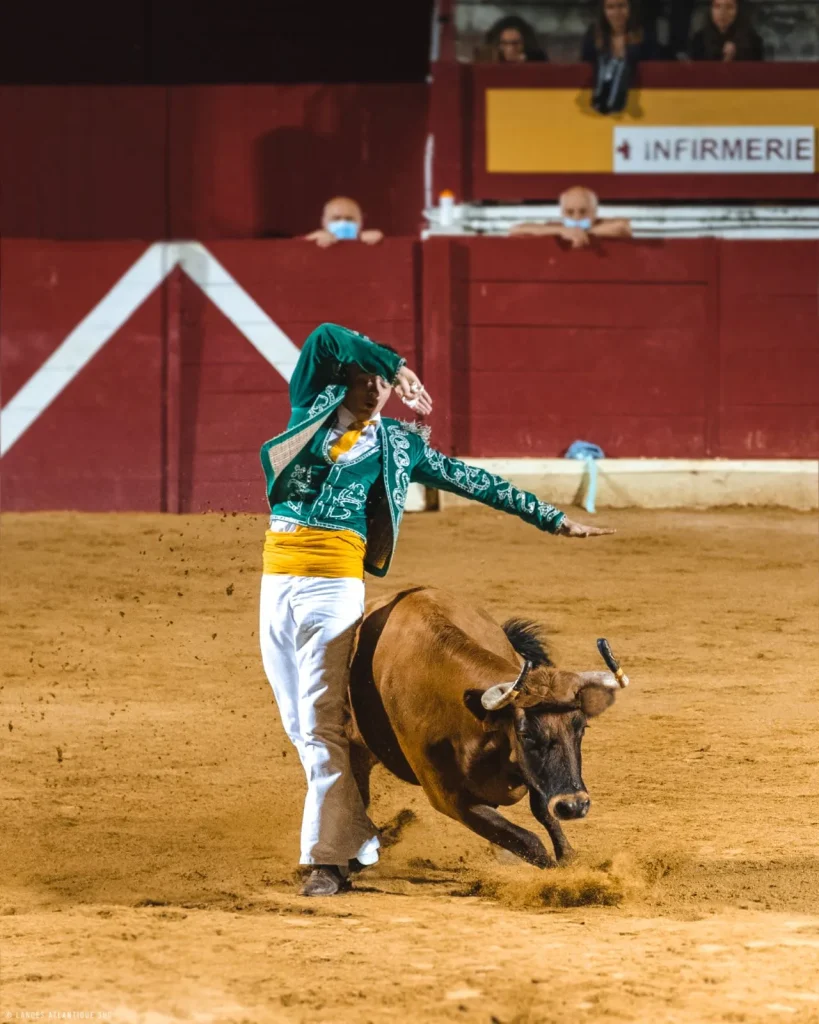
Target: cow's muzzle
{"x":570,"y":805}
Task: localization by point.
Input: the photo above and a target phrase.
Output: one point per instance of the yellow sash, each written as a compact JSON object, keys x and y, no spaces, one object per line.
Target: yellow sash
{"x":309,"y":551}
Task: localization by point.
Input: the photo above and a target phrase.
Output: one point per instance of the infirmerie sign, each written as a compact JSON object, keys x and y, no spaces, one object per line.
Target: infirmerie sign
{"x":722,"y":150}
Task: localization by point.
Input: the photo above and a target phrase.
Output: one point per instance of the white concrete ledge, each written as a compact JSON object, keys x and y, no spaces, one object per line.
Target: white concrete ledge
{"x":674,"y":220}
{"x":417,"y":500}
{"x":662,"y":483}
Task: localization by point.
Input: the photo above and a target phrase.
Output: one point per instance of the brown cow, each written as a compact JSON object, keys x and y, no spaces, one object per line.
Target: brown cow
{"x":441,"y":699}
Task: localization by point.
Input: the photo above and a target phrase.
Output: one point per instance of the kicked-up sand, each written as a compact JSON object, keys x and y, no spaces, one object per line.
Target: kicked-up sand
{"x":151,"y":802}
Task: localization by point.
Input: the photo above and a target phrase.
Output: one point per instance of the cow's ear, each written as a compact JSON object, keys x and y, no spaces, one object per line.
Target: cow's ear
{"x":595,"y":699}
{"x":472,"y":701}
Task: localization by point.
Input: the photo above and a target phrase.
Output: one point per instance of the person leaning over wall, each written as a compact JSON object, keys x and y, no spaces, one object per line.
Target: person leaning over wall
{"x":615,"y":44}
{"x":342,"y":221}
{"x":578,"y":222}
{"x":727,"y":35}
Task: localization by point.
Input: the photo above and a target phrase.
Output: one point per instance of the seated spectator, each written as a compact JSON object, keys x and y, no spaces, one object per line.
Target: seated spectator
{"x":341,"y":221}
{"x":579,"y":221}
{"x":615,"y":44}
{"x":513,"y":41}
{"x":728,"y":35}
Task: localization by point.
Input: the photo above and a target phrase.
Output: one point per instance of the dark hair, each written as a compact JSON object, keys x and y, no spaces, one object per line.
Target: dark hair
{"x":529,"y":641}
{"x":602,"y":29}
{"x":531,"y":47}
{"x":740,"y":33}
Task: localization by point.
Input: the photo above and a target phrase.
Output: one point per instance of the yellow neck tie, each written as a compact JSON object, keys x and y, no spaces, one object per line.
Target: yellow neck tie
{"x":349,"y":438}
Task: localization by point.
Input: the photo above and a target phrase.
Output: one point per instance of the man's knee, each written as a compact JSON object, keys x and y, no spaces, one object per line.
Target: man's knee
{"x":327,"y":744}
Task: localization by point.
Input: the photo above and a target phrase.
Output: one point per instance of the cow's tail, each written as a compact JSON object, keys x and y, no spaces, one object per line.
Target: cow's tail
{"x":528,"y":640}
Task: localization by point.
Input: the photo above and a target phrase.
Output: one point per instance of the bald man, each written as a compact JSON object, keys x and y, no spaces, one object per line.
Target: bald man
{"x":341,"y":221}
{"x":578,"y":221}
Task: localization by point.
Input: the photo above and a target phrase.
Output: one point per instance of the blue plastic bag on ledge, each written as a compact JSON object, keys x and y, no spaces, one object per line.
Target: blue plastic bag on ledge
{"x":589,"y":453}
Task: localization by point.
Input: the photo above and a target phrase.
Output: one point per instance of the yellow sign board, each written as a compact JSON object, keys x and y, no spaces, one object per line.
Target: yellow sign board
{"x":554,"y":131}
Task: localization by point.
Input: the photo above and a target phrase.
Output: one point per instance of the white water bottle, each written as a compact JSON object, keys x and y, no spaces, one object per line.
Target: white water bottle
{"x":446,"y":208}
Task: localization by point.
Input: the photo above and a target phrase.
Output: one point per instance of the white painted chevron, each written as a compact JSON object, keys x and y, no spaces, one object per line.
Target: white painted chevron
{"x":246,"y":315}
{"x":114,"y":310}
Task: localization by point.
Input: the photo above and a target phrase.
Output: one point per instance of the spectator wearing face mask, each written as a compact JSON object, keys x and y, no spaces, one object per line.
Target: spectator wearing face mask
{"x":341,"y":221}
{"x":728,"y":35}
{"x":513,"y":41}
{"x":578,"y":221}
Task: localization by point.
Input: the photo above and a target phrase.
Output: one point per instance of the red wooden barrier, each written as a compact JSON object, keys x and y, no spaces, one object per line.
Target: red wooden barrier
{"x":682,"y":348}
{"x":83,"y":163}
{"x":98,"y":445}
{"x":769,"y":349}
{"x":247,"y":161}
{"x":255,"y":161}
{"x":609,"y":344}
{"x":172,"y":410}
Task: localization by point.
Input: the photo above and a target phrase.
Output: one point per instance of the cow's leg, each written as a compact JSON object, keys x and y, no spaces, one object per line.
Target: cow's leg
{"x":486,"y":822}
{"x":361,"y":763}
{"x":489,"y":823}
{"x":540,"y":809}
{"x":441,"y":780}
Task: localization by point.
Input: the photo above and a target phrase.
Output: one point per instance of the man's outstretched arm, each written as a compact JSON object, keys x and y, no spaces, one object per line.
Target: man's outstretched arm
{"x":447,"y":474}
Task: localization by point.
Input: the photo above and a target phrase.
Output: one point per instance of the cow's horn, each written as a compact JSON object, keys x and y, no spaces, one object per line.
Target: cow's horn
{"x":498,"y":696}
{"x":598,"y":679}
{"x":606,"y":654}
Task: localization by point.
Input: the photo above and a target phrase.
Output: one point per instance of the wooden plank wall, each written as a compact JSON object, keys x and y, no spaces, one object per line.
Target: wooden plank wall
{"x":769,"y":349}
{"x":611,"y":344}
{"x":99,"y":445}
{"x":242,"y":161}
{"x":695,"y":348}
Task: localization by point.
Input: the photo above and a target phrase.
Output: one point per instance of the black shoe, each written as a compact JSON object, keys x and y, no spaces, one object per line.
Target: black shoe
{"x":325,"y":880}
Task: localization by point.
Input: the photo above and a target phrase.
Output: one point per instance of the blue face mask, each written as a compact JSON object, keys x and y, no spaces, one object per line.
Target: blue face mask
{"x":344,"y":230}
{"x":584,"y":223}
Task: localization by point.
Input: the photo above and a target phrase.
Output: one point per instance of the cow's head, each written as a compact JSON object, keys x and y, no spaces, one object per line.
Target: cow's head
{"x":545,"y":711}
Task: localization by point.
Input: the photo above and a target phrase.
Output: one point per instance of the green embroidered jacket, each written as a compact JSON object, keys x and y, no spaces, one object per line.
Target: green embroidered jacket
{"x":317,"y":388}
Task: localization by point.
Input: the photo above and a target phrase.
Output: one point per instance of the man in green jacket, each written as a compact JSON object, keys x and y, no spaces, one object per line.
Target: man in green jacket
{"x":337,"y":481}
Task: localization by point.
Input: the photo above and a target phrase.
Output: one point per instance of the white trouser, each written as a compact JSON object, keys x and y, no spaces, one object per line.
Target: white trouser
{"x":306,"y":629}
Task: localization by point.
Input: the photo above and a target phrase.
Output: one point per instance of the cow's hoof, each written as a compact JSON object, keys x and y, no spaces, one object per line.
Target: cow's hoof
{"x":325,"y":880}
{"x":566,"y":856}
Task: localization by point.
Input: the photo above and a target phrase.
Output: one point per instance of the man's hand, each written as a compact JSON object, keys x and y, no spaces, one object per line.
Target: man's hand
{"x":729,"y":50}
{"x":323,"y":239}
{"x":372,"y":236}
{"x":568,"y":528}
{"x":412,"y":392}
{"x":577,"y":236}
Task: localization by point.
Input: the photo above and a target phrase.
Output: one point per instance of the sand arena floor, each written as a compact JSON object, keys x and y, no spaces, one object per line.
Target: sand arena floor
{"x":151,"y":802}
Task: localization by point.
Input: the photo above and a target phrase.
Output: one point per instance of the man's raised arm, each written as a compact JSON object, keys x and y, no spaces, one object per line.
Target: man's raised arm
{"x":329,"y":347}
